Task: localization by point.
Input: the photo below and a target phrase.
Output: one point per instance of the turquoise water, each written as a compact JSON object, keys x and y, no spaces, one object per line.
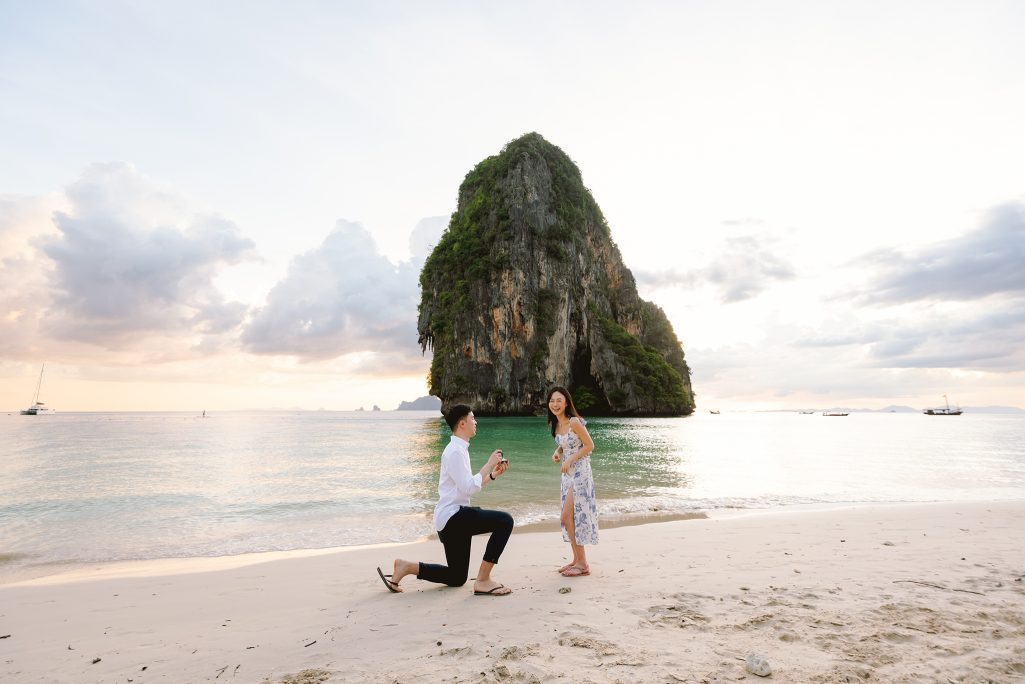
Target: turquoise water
{"x":105,"y":486}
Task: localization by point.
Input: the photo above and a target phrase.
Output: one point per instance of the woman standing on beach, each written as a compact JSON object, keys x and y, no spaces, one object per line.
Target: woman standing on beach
{"x":579,"y":504}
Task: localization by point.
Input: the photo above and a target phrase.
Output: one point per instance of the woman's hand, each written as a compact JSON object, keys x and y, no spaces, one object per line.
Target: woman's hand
{"x":565,"y":466}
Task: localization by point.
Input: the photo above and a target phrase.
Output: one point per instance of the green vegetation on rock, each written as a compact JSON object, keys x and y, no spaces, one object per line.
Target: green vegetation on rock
{"x":651,"y":375}
{"x":517,"y":296}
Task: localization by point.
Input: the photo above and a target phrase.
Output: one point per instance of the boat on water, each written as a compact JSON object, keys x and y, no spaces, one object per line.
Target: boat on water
{"x":714,"y":412}
{"x":806,"y":413}
{"x":833,"y":413}
{"x":38,"y":408}
{"x":945,"y":411}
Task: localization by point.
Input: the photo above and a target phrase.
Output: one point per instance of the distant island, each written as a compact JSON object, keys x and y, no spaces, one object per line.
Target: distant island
{"x":427,"y":403}
{"x":904,"y":409}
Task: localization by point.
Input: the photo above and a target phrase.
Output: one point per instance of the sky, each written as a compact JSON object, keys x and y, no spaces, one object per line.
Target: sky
{"x":225,"y":206}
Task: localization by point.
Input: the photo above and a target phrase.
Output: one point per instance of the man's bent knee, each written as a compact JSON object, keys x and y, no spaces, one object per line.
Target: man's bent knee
{"x":506,"y":521}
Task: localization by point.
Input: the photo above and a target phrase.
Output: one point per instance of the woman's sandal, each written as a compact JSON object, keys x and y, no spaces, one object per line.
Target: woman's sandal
{"x":575,"y":571}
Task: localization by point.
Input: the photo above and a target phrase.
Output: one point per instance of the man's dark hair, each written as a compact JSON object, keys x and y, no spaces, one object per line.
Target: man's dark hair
{"x":456,"y":414}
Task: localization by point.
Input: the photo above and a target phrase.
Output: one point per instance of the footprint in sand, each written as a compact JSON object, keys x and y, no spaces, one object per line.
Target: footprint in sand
{"x":597,"y":645}
{"x":518,"y":652}
{"x":676,"y":616}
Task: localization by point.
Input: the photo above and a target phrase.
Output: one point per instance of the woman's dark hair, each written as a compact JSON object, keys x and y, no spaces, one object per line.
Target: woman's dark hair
{"x":571,"y":410}
{"x":456,"y":414}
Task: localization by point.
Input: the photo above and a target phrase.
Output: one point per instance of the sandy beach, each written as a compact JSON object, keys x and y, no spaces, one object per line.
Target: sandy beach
{"x":896,"y":593}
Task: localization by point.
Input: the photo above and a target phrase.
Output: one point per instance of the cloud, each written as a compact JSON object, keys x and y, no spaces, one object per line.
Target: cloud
{"x":745,"y":268}
{"x":425,"y":236}
{"x":116,"y":263}
{"x":747,"y":372}
{"x":988,"y":261}
{"x":926,"y":336}
{"x":130,"y":261}
{"x":345,"y":297}
{"x":956,"y":304}
{"x":21,"y":285}
{"x":967,"y":339}
{"x":833,"y":338}
{"x":22,"y":218}
{"x":23,"y":278}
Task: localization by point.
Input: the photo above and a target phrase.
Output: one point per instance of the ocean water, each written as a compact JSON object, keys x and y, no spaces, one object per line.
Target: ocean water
{"x":86,"y":487}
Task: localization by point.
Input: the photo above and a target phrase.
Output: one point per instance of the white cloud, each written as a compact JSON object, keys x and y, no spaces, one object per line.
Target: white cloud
{"x":424,"y":237}
{"x":110,"y":263}
{"x":987,"y":261}
{"x":965,"y":338}
{"x":116,"y":263}
{"x":23,"y":278}
{"x":344,"y":297}
{"x":130,"y":261}
{"x":745,"y":267}
{"x":914,"y":323}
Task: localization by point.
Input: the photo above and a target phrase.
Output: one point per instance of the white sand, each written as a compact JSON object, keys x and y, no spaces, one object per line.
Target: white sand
{"x":912,"y":593}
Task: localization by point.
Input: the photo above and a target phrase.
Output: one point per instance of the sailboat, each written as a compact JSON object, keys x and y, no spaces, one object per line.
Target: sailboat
{"x":38,"y":408}
{"x":943,"y":411}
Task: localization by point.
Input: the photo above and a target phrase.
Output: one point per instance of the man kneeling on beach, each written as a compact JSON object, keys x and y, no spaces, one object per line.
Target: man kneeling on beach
{"x":456,"y":521}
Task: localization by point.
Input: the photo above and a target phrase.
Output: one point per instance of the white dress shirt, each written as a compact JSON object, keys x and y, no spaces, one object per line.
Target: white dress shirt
{"x":457,"y":483}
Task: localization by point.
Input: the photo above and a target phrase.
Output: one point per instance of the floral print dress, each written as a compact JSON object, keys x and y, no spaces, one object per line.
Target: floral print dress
{"x":580,"y":479}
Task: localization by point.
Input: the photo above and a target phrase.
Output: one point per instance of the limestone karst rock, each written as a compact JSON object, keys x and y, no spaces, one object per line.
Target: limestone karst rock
{"x":526,"y":290}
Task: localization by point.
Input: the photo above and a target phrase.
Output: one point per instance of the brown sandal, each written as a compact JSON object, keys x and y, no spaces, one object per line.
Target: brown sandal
{"x":393,"y":587}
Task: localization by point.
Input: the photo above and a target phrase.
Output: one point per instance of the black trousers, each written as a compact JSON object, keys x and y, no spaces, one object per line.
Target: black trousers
{"x":459,"y":530}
